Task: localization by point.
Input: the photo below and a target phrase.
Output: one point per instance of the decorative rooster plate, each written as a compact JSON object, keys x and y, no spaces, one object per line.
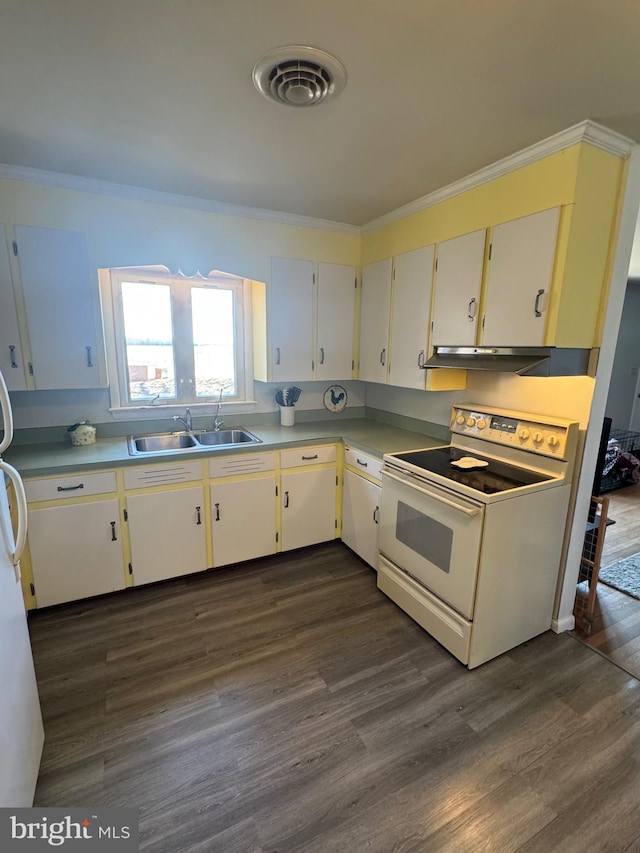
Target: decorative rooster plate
{"x":335,"y":398}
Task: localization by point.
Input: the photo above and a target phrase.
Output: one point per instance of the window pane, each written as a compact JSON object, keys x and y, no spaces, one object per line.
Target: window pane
{"x":213,"y":341}
{"x":148,"y":340}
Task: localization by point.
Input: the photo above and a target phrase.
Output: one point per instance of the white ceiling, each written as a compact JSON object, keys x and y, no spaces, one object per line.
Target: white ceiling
{"x":158,"y":93}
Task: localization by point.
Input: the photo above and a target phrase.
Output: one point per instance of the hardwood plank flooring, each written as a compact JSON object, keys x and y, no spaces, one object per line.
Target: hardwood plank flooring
{"x":287,"y":705}
{"x":615,"y":631}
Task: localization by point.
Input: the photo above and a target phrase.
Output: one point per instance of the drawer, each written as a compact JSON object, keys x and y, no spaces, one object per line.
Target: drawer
{"x":71,"y":486}
{"x":363,"y":462}
{"x":247,"y":463}
{"x":162,"y":475}
{"x":308,"y":456}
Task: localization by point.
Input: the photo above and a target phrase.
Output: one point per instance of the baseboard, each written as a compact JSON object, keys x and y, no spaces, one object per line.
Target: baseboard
{"x":559,"y":626}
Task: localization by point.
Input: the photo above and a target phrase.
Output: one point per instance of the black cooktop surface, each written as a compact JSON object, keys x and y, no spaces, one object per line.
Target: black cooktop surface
{"x":490,"y":479}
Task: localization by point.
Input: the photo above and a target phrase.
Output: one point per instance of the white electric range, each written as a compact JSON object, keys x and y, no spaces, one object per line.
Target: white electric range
{"x":471,"y":533}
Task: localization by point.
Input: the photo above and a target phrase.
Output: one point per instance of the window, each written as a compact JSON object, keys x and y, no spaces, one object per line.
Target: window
{"x":178,"y":340}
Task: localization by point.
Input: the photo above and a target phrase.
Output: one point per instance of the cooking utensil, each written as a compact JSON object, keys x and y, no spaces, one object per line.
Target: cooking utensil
{"x":279,"y":398}
{"x":294,"y":395}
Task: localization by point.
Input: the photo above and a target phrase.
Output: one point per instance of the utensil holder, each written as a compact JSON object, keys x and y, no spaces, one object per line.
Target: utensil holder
{"x":287,"y":416}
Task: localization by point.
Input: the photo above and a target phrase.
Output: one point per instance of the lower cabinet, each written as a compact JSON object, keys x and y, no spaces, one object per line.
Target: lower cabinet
{"x":167,"y":531}
{"x":308,"y":507}
{"x":360,"y":512}
{"x":243,"y":519}
{"x":76,"y":551}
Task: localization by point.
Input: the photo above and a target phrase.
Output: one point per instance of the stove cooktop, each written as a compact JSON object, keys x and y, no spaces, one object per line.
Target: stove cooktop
{"x":494,"y":477}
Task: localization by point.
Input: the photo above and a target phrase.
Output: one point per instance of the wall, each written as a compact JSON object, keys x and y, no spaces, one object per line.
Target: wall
{"x":131,"y":232}
{"x":626,"y":361}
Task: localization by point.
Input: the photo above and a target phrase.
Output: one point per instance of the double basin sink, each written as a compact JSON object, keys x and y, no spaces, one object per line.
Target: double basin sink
{"x":172,"y":441}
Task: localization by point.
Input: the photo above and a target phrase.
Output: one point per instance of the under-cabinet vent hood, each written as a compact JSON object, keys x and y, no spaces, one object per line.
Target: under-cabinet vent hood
{"x":525,"y":361}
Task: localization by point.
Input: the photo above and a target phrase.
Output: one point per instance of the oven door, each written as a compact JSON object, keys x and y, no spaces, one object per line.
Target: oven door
{"x":434,"y":535}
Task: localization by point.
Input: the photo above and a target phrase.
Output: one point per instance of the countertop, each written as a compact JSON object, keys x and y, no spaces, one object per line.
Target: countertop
{"x":374,"y":437}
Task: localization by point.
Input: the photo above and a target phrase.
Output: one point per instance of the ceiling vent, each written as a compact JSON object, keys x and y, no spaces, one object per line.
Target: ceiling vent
{"x":298,"y":76}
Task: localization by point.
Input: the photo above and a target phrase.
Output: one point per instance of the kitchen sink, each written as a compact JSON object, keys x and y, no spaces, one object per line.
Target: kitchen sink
{"x":226,"y":436}
{"x":176,"y":441}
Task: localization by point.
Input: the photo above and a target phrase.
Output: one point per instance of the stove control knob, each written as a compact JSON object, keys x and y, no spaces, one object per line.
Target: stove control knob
{"x":538,"y":437}
{"x":552,"y":441}
{"x":523,"y":434}
{"x":460,"y":419}
{"x":471,"y":422}
{"x":482,"y":424}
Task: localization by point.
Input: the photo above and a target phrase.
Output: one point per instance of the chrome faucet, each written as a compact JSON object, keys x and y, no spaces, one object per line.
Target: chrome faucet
{"x":217,"y":422}
{"x":187,"y":420}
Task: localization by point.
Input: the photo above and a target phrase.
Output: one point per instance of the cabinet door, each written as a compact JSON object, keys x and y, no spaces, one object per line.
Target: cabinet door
{"x":360,"y":511}
{"x":235,"y":506}
{"x":73,"y":551}
{"x":290,"y":319}
{"x":411,"y":315}
{"x":519,"y":280}
{"x":374,"y":321}
{"x":308,"y":504}
{"x":11,"y":360}
{"x":336,"y":298}
{"x":61,"y":303}
{"x":167,"y":533}
{"x":457,"y":296}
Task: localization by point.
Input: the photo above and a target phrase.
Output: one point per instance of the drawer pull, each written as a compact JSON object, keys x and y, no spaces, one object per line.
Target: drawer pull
{"x":364,"y":464}
{"x":114,"y":538}
{"x":12,"y":356}
{"x":217,"y":506}
{"x":70,"y":488}
{"x":198,"y":516}
{"x":309,"y":458}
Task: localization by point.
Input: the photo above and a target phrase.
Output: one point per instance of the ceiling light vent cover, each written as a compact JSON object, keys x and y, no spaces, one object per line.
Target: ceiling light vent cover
{"x":298,"y":76}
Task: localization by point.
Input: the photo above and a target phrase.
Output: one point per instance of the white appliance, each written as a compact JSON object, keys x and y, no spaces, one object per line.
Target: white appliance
{"x":471,"y":533}
{"x":21,"y":731}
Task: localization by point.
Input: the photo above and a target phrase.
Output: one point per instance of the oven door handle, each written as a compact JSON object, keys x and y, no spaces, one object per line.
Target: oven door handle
{"x":470,"y":511}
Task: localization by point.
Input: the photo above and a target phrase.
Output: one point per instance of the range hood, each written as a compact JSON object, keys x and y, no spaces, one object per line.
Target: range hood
{"x":525,"y":361}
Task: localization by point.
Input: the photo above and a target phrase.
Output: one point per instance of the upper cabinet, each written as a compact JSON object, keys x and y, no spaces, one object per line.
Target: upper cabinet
{"x":62,"y":310}
{"x":374,"y":320}
{"x":456,"y":306}
{"x":519,"y":280}
{"x":303,"y":322}
{"x":11,"y":358}
{"x":410,"y":316}
{"x":336,"y":305}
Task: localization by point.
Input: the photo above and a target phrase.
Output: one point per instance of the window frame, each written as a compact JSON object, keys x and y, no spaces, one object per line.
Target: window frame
{"x":181,"y":318}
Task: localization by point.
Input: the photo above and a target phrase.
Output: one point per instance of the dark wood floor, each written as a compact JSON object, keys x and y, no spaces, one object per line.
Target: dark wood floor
{"x":289,"y":706}
{"x":616,"y":627}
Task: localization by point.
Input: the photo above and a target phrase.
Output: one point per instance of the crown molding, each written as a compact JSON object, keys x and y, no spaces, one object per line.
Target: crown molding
{"x":586,"y":131}
{"x":26,"y":174}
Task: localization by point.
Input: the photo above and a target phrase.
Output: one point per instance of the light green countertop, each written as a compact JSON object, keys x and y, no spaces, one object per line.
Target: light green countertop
{"x":37,"y":460}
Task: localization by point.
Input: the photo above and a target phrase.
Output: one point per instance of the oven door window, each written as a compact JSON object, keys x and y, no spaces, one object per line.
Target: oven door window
{"x":429,"y":538}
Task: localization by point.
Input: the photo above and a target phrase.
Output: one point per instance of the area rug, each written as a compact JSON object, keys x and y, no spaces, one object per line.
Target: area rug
{"x":623,"y":575}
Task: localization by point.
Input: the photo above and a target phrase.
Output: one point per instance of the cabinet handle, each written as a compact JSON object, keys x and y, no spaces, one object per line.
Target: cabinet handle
{"x":471,"y":309}
{"x":198,"y":517}
{"x":421,"y":359}
{"x":536,"y":307}
{"x":321,"y":355}
{"x":364,"y":464}
{"x":277,"y":355}
{"x":286,"y":500}
{"x":114,"y":538}
{"x":217,"y":506}
{"x":308,"y":458}
{"x":376,"y":513}
{"x":70,"y":488}
{"x":383,"y":357}
{"x":12,"y":356}
{"x":89,"y":362}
